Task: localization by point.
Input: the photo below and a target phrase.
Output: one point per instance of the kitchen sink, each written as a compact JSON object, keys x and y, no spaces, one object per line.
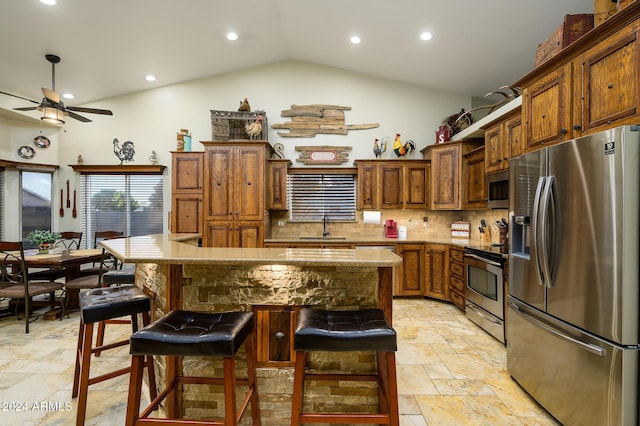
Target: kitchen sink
{"x":323,"y":238}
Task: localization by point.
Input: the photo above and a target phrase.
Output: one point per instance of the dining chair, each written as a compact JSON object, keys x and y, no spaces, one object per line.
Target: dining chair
{"x":97,"y":237}
{"x":69,"y":240}
{"x":15,"y":283}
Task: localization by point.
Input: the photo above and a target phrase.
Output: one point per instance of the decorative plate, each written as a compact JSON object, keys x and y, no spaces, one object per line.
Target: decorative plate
{"x":26,"y":152}
{"x":41,"y":142}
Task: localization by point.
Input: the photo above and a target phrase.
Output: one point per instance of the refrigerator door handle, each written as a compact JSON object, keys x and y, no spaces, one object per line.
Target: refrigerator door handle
{"x":535,"y":226}
{"x":544,"y":231}
{"x":597,"y":350}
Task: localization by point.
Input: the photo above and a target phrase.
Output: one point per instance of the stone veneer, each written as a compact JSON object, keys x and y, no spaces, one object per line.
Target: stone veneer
{"x":221,"y":288}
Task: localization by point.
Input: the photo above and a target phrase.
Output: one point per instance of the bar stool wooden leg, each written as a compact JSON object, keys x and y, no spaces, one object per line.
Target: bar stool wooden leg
{"x":298,"y":388}
{"x":250,"y":350}
{"x":85,"y":362}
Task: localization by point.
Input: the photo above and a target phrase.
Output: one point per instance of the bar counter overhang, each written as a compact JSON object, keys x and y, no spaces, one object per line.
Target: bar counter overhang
{"x":273,"y":283}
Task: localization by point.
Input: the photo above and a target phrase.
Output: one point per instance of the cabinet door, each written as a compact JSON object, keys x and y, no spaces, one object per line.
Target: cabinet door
{"x":437,"y":259}
{"x":410,"y":276}
{"x":391,"y":184}
{"x":248,"y":201}
{"x":475,"y":180}
{"x":610,"y":82}
{"x":416,"y":186}
{"x":547,"y":108}
{"x":186,"y":213}
{"x":445,"y":186}
{"x":277,"y":190}
{"x":218,"y":234}
{"x":187,"y":171}
{"x":514,"y":139}
{"x":219,"y":176}
{"x":248,"y":234}
{"x":493,"y":142}
{"x":368,"y":186}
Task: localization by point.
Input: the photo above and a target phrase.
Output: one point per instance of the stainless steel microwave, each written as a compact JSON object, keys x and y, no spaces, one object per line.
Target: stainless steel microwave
{"x":498,"y":190}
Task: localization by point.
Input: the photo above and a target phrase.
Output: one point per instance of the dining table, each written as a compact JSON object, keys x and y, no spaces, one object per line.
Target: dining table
{"x":70,"y":260}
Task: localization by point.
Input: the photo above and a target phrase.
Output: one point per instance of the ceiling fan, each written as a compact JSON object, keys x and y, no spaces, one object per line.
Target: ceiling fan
{"x":52,"y":108}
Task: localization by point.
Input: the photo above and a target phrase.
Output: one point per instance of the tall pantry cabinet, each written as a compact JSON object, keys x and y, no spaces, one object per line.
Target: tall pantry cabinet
{"x":234,"y":193}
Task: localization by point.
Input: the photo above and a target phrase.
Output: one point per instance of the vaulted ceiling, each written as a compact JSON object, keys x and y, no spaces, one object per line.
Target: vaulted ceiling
{"x":108,"y":46}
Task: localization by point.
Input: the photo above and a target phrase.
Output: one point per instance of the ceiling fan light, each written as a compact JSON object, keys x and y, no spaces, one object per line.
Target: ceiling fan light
{"x":52,"y":115}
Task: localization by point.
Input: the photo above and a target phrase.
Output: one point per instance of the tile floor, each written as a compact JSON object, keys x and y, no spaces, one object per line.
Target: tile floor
{"x":449,"y":371}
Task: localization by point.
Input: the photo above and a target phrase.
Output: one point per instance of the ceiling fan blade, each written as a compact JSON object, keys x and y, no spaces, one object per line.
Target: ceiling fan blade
{"x":77,"y":117}
{"x":26,"y":108}
{"x":51,"y":95}
{"x":20,"y":97}
{"x":90,"y":110}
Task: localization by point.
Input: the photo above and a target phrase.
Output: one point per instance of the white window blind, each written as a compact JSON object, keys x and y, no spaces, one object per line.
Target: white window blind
{"x":131,"y":204}
{"x":312,"y":196}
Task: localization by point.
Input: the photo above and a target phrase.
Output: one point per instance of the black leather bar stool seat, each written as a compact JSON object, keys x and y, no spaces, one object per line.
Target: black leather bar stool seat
{"x":98,"y":305}
{"x":125,"y":275}
{"x":344,"y":331}
{"x":187,"y":333}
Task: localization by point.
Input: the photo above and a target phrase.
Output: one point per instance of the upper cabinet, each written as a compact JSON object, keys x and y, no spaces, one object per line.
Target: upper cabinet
{"x":187,"y":183}
{"x":277,"y":187}
{"x":503,"y":140}
{"x":393,"y":184}
{"x":592,"y":85}
{"x":447,"y":170}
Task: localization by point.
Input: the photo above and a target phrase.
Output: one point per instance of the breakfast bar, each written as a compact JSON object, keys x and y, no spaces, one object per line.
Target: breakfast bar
{"x":274,"y":283}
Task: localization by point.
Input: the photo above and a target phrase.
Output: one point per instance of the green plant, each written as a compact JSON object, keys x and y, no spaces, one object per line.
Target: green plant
{"x":40,"y":236}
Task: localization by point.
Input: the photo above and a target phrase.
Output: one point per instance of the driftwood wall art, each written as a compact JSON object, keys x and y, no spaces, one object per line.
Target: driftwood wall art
{"x":309,"y":120}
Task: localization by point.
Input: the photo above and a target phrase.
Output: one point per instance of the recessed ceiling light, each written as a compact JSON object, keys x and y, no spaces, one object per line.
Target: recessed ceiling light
{"x":150,"y":77}
{"x":232,"y":36}
{"x":68,"y":95}
{"x":426,"y":36}
{"x":355,"y":40}
{"x":48,"y":2}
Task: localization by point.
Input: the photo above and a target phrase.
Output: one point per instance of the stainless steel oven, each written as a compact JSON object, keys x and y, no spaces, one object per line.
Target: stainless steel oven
{"x":484,"y":289}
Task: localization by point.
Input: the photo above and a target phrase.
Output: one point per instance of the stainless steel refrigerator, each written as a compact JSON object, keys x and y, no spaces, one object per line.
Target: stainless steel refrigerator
{"x":572,"y":319}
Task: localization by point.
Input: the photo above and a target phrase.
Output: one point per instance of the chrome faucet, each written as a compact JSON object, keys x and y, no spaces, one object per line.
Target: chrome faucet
{"x":325,"y":226}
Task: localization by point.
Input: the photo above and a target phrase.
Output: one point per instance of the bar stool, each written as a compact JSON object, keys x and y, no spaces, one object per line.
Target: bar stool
{"x":96,"y":306}
{"x":186,"y":333}
{"x":340,"y":331}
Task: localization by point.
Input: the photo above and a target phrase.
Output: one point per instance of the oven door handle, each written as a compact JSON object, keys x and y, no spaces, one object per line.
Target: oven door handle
{"x":483,"y":259}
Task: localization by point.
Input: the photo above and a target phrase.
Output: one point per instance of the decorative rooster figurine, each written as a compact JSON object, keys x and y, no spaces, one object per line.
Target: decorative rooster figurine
{"x":379,"y":150}
{"x":244,"y":105}
{"x":401,"y":149}
{"x":254,"y":129}
{"x":125,"y":152}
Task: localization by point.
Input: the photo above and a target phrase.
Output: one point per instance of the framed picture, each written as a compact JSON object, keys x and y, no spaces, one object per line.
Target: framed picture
{"x":26,"y":152}
{"x":41,"y":142}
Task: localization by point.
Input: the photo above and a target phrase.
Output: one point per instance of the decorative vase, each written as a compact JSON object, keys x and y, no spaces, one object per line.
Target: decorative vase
{"x":43,"y":248}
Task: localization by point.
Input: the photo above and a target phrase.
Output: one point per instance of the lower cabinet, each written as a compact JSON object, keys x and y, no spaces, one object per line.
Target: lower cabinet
{"x":456,"y":276}
{"x":410,"y":276}
{"x":247,"y":234}
{"x":437,"y":262}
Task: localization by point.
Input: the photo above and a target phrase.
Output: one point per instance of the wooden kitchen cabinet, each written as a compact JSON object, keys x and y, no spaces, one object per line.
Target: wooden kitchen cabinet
{"x":475,"y":180}
{"x":437,"y":271}
{"x":410,"y":276}
{"x":277,"y":189}
{"x":609,"y":79}
{"x":502,"y":141}
{"x":393,"y":184}
{"x":457,"y":276}
{"x":546,"y":108}
{"x":447,"y":172}
{"x":187,"y":183}
{"x":234,"y":196}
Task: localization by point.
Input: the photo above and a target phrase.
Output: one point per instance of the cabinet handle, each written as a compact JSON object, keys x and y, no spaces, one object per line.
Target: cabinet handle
{"x":218,"y":183}
{"x":249,"y":183}
{"x":563,"y":131}
{"x":544,"y":115}
{"x":577,"y":127}
{"x":610,"y":86}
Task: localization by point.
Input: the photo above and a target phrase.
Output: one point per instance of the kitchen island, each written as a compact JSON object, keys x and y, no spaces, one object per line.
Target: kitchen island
{"x":274,"y":283}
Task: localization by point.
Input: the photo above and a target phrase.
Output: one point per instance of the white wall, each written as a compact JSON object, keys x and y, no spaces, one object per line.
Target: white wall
{"x":152,"y":118}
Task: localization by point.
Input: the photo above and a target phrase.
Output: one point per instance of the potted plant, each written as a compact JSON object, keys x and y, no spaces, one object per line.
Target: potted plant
{"x":43,"y":239}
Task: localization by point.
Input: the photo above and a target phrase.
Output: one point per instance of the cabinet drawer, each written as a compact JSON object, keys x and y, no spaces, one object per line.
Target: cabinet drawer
{"x":456,"y":269}
{"x":456,"y":283}
{"x":457,"y":299}
{"x":456,"y":255}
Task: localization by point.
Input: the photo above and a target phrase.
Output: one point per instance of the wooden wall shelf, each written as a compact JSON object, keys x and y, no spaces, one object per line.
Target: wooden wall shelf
{"x":118,"y":169}
{"x":7,"y":164}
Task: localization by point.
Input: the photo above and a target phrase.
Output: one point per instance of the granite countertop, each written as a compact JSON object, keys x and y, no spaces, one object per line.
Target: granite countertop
{"x":168,"y":249}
